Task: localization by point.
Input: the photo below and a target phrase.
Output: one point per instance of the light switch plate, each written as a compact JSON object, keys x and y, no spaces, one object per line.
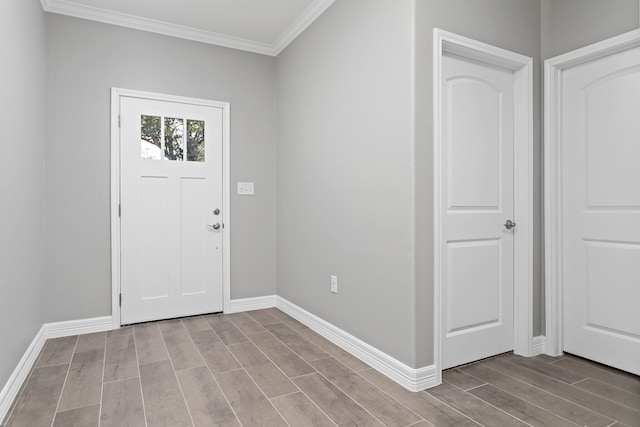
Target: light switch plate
{"x":245,"y":188}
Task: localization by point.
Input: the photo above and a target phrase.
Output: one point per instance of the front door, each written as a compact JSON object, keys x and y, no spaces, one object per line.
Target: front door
{"x":600,"y":175}
{"x":477,"y":163}
{"x":171,"y":209}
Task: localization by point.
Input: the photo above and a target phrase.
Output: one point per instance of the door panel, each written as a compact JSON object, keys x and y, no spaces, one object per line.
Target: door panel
{"x":618,"y":266}
{"x":611,"y":118}
{"x":171,"y":183}
{"x":601,"y":209}
{"x":478,"y":133}
{"x":193,"y":242}
{"x":474,"y":144}
{"x":480,"y":263}
{"x":153,"y":255}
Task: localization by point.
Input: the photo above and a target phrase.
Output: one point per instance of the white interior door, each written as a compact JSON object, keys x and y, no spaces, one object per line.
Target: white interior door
{"x":600,"y":175}
{"x":477,"y":163}
{"x":171,"y":209}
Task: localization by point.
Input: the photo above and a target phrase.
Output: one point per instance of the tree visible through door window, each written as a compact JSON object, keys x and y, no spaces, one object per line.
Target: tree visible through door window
{"x":163,"y":138}
{"x":173,"y":139}
{"x":195,"y":140}
{"x":151,"y":137}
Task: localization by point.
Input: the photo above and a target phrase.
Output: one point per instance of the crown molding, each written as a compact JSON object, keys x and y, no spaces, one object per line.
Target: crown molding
{"x":296,"y":28}
{"x":65,"y":7}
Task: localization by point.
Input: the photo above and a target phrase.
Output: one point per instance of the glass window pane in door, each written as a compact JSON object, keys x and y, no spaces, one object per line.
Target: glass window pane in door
{"x":195,"y":140}
{"x":173,"y":139}
{"x":150,"y":137}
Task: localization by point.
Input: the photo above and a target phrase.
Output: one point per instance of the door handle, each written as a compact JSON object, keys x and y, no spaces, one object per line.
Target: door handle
{"x":509,"y":224}
{"x":215,"y":226}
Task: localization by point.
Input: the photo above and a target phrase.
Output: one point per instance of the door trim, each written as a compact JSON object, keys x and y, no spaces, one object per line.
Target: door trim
{"x":116,"y":95}
{"x":553,"y":72}
{"x":522,"y":66}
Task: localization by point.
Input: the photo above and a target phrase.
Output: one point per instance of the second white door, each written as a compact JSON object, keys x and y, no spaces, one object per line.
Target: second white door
{"x":171,"y":198}
{"x":600,"y":142}
{"x":477,"y":163}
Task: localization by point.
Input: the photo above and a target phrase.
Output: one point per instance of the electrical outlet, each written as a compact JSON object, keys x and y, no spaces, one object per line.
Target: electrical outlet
{"x":245,"y":188}
{"x":334,"y":284}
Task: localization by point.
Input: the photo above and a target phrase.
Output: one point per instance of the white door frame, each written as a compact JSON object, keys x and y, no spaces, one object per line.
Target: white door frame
{"x":553,"y":71}
{"x":522,"y":66}
{"x":116,"y":95}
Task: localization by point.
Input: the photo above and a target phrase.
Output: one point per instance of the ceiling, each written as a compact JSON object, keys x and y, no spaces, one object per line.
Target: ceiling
{"x":261,"y":26}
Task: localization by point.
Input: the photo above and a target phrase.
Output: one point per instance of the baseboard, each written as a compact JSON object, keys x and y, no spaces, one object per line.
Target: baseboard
{"x":250,"y":304}
{"x":47,"y":331}
{"x":410,"y":378}
{"x":77,"y":327}
{"x":19,"y":375}
{"x":538,"y":345}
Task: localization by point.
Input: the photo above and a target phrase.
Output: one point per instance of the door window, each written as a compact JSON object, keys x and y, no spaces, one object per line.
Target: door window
{"x":163,"y":138}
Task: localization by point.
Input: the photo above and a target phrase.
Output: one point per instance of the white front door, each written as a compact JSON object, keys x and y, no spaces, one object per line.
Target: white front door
{"x":477,"y":163}
{"x":171,"y":209}
{"x":600,"y":175}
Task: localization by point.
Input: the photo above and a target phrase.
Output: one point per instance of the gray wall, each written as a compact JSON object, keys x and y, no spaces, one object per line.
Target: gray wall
{"x":21,"y":179}
{"x":345,"y":172}
{"x":355,"y":189}
{"x":84,"y":60}
{"x":571,"y":24}
{"x":509,"y":24}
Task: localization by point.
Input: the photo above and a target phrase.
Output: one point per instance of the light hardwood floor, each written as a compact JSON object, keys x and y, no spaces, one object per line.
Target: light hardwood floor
{"x":263,"y":368}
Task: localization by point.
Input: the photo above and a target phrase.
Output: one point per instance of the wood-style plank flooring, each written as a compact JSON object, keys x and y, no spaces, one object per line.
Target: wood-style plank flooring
{"x":263,"y":368}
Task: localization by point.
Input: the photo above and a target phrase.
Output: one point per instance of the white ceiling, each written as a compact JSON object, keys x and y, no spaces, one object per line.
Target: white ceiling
{"x":262,"y":26}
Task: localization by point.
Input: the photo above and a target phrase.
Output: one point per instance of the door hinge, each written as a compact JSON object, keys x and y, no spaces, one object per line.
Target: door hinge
{"x":120,"y":300}
{"x":119,"y":210}
{"x":119,"y":124}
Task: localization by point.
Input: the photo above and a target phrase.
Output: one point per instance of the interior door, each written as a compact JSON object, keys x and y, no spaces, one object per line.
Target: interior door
{"x":477,"y":115}
{"x":171,"y":209}
{"x":600,"y":175}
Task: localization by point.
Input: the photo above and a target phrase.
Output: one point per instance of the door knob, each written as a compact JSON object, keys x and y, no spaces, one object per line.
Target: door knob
{"x":215,"y":226}
{"x":509,"y":224}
